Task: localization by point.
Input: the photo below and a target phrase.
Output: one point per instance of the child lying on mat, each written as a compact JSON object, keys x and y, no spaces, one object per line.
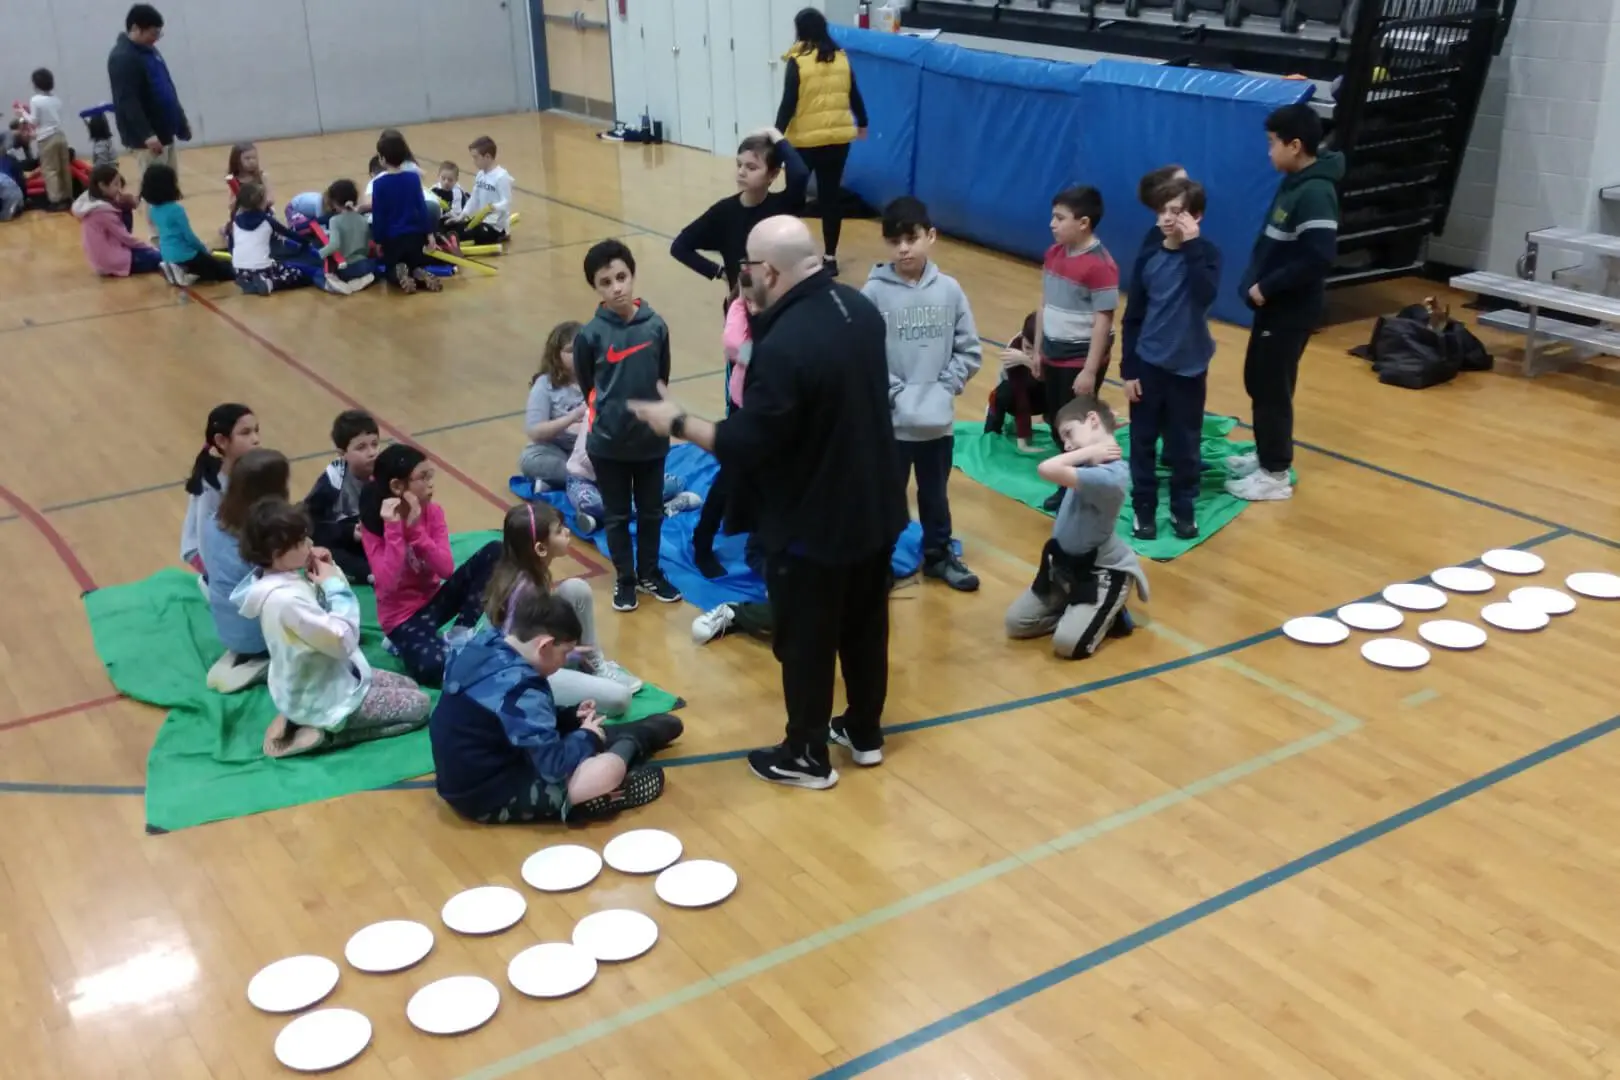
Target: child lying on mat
{"x":327,"y":694}
{"x":533,"y":536}
{"x":586,"y":498}
{"x":1020,"y":390}
{"x":1086,"y":570}
{"x":505,"y":753}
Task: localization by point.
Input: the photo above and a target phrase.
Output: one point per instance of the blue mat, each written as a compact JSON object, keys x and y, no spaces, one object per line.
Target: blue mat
{"x":696,"y":468}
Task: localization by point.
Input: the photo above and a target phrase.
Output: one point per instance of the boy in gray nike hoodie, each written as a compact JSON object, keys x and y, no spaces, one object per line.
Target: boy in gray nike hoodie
{"x":933,"y":350}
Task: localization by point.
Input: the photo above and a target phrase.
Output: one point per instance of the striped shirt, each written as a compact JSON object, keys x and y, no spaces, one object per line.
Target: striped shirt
{"x":1075,"y":286}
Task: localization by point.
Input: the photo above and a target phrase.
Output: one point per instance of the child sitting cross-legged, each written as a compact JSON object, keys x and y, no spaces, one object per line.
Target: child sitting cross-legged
{"x":333,"y":503}
{"x":1086,"y":570}
{"x":533,"y":536}
{"x":186,"y":259}
{"x":348,"y":238}
{"x":326,"y":693}
{"x":254,"y":226}
{"x":504,"y":752}
{"x":111,"y":248}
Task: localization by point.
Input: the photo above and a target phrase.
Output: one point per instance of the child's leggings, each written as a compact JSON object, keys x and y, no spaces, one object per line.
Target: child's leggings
{"x":393,"y":706}
{"x":461,"y":598}
{"x":280,"y":276}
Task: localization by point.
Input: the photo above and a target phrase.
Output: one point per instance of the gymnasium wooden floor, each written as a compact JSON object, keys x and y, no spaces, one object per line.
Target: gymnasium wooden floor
{"x":1207,"y":852}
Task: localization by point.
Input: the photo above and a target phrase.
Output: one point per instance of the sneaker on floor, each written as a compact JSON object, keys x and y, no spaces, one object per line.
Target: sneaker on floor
{"x":612,"y":671}
{"x":1122,"y":626}
{"x":713,"y":623}
{"x":642,"y":785}
{"x":584,"y":522}
{"x":657,"y":586}
{"x":680,"y":504}
{"x":231,"y":673}
{"x":709,"y":566}
{"x":866,"y":753}
{"x":829,"y":263}
{"x":952,"y":571}
{"x":1053,"y":501}
{"x":1241,"y":465}
{"x":1145,"y":527}
{"x":624,"y":595}
{"x":1261,"y":486}
{"x":795,"y":766}
{"x":1185,"y":528}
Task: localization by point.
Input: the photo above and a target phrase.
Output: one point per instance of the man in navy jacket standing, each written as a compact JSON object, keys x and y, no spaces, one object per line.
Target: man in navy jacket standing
{"x":146,"y":106}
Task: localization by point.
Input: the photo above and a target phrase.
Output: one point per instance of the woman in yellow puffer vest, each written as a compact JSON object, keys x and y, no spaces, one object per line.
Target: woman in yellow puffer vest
{"x":821,"y":114}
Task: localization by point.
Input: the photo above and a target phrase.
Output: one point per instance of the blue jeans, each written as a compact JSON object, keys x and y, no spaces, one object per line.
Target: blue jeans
{"x":11,"y":198}
{"x":145,"y":261}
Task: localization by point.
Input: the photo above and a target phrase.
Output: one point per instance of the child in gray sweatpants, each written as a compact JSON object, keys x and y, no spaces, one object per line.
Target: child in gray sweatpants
{"x":1086,"y":570}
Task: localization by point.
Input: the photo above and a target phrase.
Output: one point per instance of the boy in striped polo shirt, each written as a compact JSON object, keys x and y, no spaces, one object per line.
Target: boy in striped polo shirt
{"x":1079,"y":292}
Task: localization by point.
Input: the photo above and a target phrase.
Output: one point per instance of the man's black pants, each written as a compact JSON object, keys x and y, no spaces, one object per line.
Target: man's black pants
{"x":826,"y":614}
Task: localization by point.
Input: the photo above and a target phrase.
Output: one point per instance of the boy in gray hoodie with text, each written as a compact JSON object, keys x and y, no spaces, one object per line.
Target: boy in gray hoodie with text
{"x":933,"y":351}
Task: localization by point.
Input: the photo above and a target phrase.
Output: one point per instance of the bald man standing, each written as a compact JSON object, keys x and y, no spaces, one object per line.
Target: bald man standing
{"x":814,"y":453}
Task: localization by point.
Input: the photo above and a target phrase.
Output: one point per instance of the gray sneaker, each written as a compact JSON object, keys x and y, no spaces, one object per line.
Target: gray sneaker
{"x":685,"y":501}
{"x":953,"y":572}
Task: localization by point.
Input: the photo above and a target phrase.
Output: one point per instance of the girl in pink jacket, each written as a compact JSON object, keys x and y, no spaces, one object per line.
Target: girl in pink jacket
{"x":419,"y":587}
{"x":112,"y":250}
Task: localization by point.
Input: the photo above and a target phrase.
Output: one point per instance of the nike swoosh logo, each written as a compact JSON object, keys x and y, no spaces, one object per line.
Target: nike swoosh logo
{"x":615,"y":355}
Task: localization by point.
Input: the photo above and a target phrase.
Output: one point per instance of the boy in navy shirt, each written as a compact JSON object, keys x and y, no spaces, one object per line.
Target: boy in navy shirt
{"x":1167,"y":350}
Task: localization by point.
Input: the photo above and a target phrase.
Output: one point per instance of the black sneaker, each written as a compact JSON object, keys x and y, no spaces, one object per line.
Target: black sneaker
{"x":709,"y":566}
{"x":867,"y":753}
{"x":995,"y":421}
{"x":624,"y":595}
{"x":829,"y":263}
{"x":807,"y":767}
{"x":1145,"y":528}
{"x":641,"y":786}
{"x":657,"y":586}
{"x":952,"y":571}
{"x":650,"y":734}
{"x":1122,"y":626}
{"x":1186,"y":528}
{"x":1053,"y":501}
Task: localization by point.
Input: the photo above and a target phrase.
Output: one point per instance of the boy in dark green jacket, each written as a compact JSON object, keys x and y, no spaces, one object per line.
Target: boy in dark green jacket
{"x":1285,"y":285}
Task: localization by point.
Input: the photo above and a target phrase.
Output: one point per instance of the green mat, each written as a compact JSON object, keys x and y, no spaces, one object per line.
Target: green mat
{"x":157,"y":641}
{"x":995,"y":462}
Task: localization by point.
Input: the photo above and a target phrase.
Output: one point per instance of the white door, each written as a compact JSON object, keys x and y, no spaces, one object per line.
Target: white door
{"x":723,"y":78}
{"x":627,"y":37}
{"x":468,"y":46}
{"x":756,"y":65}
{"x":694,"y":76}
{"x":662,"y":78}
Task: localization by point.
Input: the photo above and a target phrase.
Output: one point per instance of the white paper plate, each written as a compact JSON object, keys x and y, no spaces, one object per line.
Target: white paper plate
{"x":562,"y":868}
{"x":323,"y":1040}
{"x":1514,"y":617}
{"x":555,"y":969}
{"x":1513,"y":561}
{"x":616,"y":935}
{"x":452,"y":1006}
{"x":292,"y":984}
{"x":1463,"y":579}
{"x":1308,"y":630}
{"x":389,"y":946}
{"x":488,"y":909}
{"x":1415,"y":597}
{"x":1452,"y":634}
{"x":701,"y":882}
{"x":1376,"y":618}
{"x":1595,"y":584}
{"x":1395,"y":653}
{"x":642,"y":851}
{"x":1552,"y":601}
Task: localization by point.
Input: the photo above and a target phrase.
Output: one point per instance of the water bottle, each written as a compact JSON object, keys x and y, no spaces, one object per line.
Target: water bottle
{"x":863,"y":15}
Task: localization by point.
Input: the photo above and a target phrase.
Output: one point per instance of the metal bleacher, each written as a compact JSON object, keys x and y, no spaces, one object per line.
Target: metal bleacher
{"x":1536,"y":298}
{"x":1399,"y":82}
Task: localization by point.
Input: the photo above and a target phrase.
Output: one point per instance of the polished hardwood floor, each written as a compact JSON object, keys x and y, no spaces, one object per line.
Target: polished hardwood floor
{"x":1206,"y":852}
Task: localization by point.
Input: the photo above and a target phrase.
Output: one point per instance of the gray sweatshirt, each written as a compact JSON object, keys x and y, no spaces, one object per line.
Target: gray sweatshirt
{"x":1088,"y":520}
{"x":933,"y":348}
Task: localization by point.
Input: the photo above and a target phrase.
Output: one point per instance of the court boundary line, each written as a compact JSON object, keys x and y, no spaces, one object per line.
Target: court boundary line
{"x":1122,"y":946}
{"x":55,"y":540}
{"x":1341,"y":723}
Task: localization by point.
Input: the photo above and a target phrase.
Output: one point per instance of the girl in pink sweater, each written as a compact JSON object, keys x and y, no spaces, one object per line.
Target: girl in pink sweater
{"x":112,"y":250}
{"x":419,"y":587}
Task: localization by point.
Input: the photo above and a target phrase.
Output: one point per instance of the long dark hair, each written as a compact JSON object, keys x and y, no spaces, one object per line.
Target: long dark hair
{"x":525,"y":525}
{"x":222,"y":421}
{"x":257,"y":474}
{"x":811,"y":27}
{"x":397,"y":462}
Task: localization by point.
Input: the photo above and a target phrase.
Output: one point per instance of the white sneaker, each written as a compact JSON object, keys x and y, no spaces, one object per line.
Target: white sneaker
{"x":685,"y":501}
{"x":711,"y":624}
{"x":1261,"y":486}
{"x":230,"y":675}
{"x":613,"y":672}
{"x":1241,"y":465}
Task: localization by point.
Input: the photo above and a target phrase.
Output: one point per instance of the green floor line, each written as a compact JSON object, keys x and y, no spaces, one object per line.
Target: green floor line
{"x":1341,"y":724}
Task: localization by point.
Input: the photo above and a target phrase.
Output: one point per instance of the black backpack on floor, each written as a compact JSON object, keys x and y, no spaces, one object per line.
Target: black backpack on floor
{"x":1407,"y":351}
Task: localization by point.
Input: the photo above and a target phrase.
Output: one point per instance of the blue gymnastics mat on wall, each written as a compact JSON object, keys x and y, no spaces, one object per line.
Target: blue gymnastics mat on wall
{"x":888,"y":70}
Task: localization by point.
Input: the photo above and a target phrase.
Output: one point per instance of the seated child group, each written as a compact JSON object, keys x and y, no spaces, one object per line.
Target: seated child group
{"x":518,"y":731}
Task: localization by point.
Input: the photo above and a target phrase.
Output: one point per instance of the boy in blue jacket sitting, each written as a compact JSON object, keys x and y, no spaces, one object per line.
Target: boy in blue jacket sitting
{"x":505,"y":753}
{"x":1167,"y":350}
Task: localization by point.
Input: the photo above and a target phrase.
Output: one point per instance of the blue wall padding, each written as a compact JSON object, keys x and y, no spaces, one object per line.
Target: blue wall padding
{"x":1141,"y":116}
{"x":888,"y":70}
{"x":997,"y":138}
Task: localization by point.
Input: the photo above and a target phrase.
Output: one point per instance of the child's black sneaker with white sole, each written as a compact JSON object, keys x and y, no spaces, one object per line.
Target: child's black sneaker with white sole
{"x":796,"y":766}
{"x":866,"y":753}
{"x":1185,"y":528}
{"x":657,"y":586}
{"x":624,"y":595}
